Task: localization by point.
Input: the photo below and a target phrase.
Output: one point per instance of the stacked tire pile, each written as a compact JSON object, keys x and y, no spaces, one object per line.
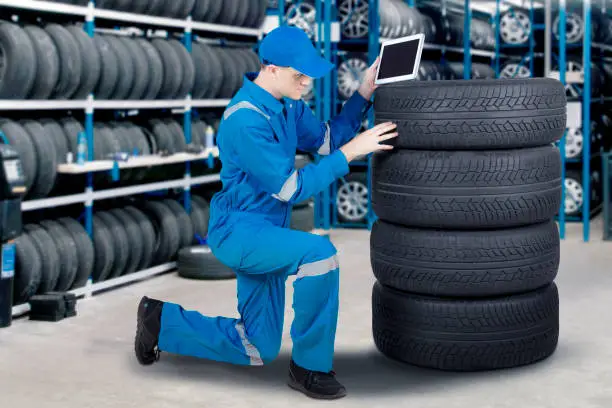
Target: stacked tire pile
{"x":58,"y":254}
{"x":466,"y":250}
{"x":63,"y":62}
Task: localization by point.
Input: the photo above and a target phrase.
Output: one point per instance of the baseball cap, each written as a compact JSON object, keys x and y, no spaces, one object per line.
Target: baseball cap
{"x":288,"y":46}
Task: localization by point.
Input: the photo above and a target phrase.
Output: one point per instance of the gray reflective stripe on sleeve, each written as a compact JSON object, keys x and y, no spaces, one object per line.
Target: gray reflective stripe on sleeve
{"x":288,"y":189}
{"x":326,"y":146}
{"x":243,"y":105}
{"x":251,"y":350}
{"x":319,"y":267}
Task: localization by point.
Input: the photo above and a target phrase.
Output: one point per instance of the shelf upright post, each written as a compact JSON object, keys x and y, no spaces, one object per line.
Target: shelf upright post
{"x":586,"y":122}
{"x":187,"y":39}
{"x":497,"y":35}
{"x":373,"y":48}
{"x":327,"y":96}
{"x":467,"y":45}
{"x":89,"y":132}
{"x":532,"y":43}
{"x":562,"y":68}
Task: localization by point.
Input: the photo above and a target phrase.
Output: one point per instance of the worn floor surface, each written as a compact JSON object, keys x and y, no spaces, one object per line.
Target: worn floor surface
{"x":87,"y":361}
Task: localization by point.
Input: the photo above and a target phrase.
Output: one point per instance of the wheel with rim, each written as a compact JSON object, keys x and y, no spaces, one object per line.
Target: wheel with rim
{"x":574,"y":193}
{"x":514,"y":70}
{"x":574,"y":30}
{"x":352,"y":198}
{"x":302,"y":14}
{"x":515,"y":27}
{"x":354,"y":18}
{"x":350,"y":74}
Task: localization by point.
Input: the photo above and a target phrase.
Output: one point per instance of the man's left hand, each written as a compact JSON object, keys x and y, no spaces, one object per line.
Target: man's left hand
{"x":368,"y":87}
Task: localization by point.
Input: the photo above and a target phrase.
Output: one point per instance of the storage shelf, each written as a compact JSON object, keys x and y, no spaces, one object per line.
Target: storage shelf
{"x":137,"y":161}
{"x":89,"y":288}
{"x":91,"y":196}
{"x":9,"y":104}
{"x":113,"y":15}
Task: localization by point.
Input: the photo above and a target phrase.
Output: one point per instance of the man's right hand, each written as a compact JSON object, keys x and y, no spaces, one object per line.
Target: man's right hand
{"x":369,"y":141}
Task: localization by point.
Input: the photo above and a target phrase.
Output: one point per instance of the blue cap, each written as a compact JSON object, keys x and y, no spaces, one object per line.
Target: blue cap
{"x":288,"y":46}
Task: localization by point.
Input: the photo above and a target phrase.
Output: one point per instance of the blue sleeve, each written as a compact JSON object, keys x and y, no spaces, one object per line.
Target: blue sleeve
{"x":325,"y":138}
{"x":266,"y":163}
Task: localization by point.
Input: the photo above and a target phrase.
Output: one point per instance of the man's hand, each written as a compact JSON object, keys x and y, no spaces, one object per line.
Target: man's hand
{"x":369,"y":141}
{"x":368,"y":87}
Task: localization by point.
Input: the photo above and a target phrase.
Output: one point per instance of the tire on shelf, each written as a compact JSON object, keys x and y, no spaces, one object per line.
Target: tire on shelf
{"x":72,"y":128}
{"x":228,"y":12}
{"x":104,"y":253}
{"x":21,"y":141}
{"x":48,"y":63}
{"x":127,"y":71}
{"x":465,"y":263}
{"x":186,"y":9}
{"x":173,"y":72}
{"x":485,"y":334}
{"x":199,"y":217}
{"x":134,"y":236}
{"x":58,"y":137}
{"x":467,"y":189}
{"x":183,"y":220}
{"x":164,"y":138}
{"x":217,"y":71}
{"x":19,"y":62}
{"x":478,"y":114}
{"x":166,"y":230}
{"x":46,"y":159}
{"x":147,"y":233}
{"x":71,"y":64}
{"x":200,"y":10}
{"x":156,"y":69}
{"x":109,"y":71}
{"x":141,"y":66}
{"x":172,"y":8}
{"x":178,"y":136}
{"x":188,"y":69}
{"x":67,"y":254}
{"x":85,"y":250}
{"x":198,"y":262}
{"x":203,"y":71}
{"x":28,"y":269}
{"x":50,"y":259}
{"x":120,"y":241}
{"x":91,"y":68}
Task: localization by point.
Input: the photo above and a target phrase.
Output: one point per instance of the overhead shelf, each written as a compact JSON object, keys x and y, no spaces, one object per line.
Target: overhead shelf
{"x":10,"y":104}
{"x":116,"y":192}
{"x":113,"y":15}
{"x":136,"y":161}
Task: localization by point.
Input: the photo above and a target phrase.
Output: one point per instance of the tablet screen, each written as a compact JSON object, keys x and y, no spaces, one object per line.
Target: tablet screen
{"x":398,"y":59}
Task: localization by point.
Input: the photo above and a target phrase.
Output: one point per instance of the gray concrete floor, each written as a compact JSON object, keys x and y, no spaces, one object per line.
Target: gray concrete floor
{"x":87,"y":361}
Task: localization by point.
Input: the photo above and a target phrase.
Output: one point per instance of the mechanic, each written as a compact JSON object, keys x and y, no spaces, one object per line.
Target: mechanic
{"x":263,"y":126}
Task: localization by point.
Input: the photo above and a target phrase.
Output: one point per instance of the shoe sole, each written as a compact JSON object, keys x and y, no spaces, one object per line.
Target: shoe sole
{"x":139,"y":332}
{"x":300,"y":387}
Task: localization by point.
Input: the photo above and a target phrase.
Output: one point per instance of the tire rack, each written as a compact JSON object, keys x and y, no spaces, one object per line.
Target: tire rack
{"x":373,"y":43}
{"x":585,"y":100}
{"x":90,"y":13}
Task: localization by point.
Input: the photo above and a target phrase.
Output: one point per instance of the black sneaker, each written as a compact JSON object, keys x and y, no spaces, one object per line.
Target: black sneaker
{"x":147,"y":330}
{"x":315,"y":384}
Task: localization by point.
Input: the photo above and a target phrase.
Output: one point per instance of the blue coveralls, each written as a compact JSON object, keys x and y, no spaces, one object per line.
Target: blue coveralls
{"x":248,"y":231}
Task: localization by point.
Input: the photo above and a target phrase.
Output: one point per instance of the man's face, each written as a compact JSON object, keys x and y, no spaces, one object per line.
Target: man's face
{"x":292,"y":84}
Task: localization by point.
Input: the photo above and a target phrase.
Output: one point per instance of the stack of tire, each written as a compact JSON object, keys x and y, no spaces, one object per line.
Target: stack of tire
{"x":63,"y":62}
{"x":57,"y":254}
{"x":466,"y":250}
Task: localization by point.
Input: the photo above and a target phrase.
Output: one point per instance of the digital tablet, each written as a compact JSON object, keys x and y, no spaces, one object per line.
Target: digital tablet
{"x":400,"y":59}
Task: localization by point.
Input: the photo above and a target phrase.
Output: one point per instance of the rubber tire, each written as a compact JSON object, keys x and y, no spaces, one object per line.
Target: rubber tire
{"x":473,"y":115}
{"x":109,"y":72}
{"x":188,"y":70}
{"x":66,"y":251}
{"x":467,"y":190}
{"x":71,"y":64}
{"x":156,"y":69}
{"x":302,"y":219}
{"x":166,"y":230}
{"x":28,"y":269}
{"x":198,"y":262}
{"x":21,"y":141}
{"x":85,"y":250}
{"x":147,"y":234}
{"x":173,"y":72}
{"x":127,"y":71}
{"x":46,"y":159}
{"x":58,"y":136}
{"x":183,"y":220}
{"x":134,"y":236}
{"x":91,"y":71}
{"x":465,"y":263}
{"x":200,"y":211}
{"x":50,"y":259}
{"x":103,"y":249}
{"x":120,"y":240}
{"x":48,"y":63}
{"x":466,"y":335}
{"x":20,"y":63}
{"x":216,"y":71}
{"x":141,"y":67}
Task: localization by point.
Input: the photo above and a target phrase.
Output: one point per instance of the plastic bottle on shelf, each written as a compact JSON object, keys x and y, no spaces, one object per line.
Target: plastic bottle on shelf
{"x":81,"y":148}
{"x":210,"y":134}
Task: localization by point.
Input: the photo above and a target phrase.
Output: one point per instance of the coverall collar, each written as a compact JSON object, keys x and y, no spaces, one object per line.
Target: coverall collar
{"x":261,"y":95}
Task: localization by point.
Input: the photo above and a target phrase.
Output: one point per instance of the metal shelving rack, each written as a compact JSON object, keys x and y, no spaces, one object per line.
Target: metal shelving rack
{"x":89,"y":106}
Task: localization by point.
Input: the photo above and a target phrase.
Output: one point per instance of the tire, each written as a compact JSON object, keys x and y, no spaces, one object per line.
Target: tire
{"x":173,"y":72}
{"x":147,"y":234}
{"x":28,"y":269}
{"x":352,"y":198}
{"x":474,"y":115}
{"x":109,"y":72}
{"x":166,"y":230}
{"x":141,"y":67}
{"x":199,"y":218}
{"x":127,"y":72}
{"x":135,"y":241}
{"x":188,"y":70}
{"x":90,"y":74}
{"x":467,"y":190}
{"x":183,"y":220}
{"x":103,"y":250}
{"x":49,"y":255}
{"x":467,"y":335}
{"x":18,"y":55}
{"x":71,"y":64}
{"x":198,"y":262}
{"x":48,"y":62}
{"x":85,"y":250}
{"x":465,"y":263}
{"x":302,"y":219}
{"x":66,"y":251}
{"x":156,"y":69}
{"x":46,"y":159}
{"x":202,"y":71}
{"x":216,"y":71}
{"x":120,"y":241}
{"x":58,"y":136}
{"x":21,"y":141}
